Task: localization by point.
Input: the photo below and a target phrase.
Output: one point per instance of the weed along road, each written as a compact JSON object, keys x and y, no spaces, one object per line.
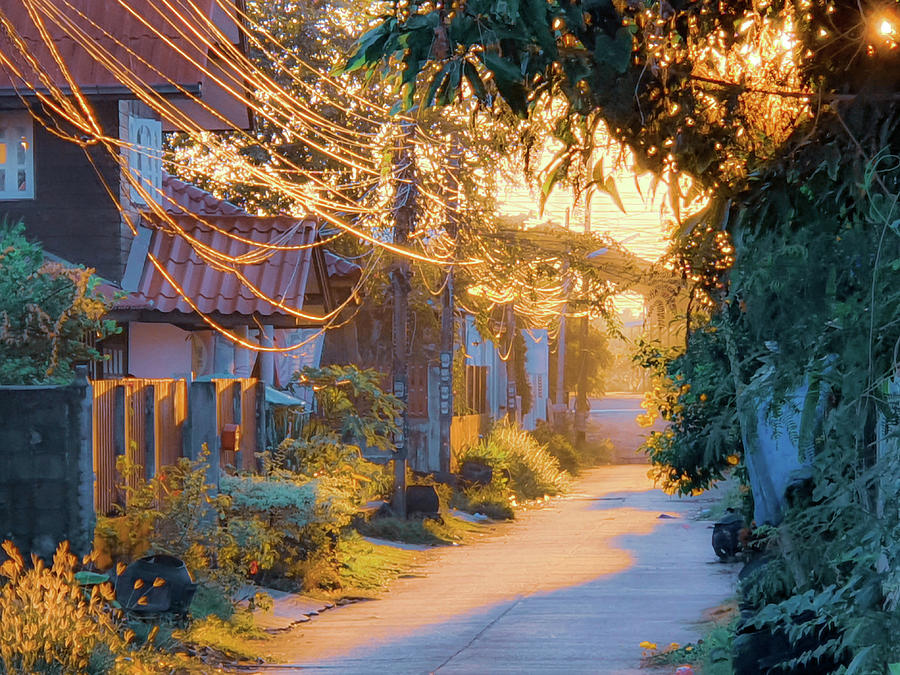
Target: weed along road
{"x":571,"y":587}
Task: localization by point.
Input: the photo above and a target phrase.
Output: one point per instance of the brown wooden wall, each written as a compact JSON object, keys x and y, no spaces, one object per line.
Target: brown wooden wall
{"x":145,"y":418}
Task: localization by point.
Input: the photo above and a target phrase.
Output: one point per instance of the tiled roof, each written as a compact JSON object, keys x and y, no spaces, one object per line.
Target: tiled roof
{"x":122,"y":34}
{"x":184,"y":198}
{"x":181,"y":197}
{"x":216,"y":289}
{"x":341,"y":268}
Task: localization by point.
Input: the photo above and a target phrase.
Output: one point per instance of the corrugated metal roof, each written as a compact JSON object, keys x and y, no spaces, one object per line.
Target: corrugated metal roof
{"x":156,"y":62}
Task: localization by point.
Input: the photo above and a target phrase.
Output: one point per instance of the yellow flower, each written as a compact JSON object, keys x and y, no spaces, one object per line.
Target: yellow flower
{"x":646,"y":644}
{"x":688,"y":649}
{"x":674,"y":645}
{"x":732,"y":459}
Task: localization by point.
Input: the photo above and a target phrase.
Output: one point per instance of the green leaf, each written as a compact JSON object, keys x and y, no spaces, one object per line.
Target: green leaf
{"x":509,"y":82}
{"x":893,"y":668}
{"x":534,"y":14}
{"x":475,"y":81}
{"x":609,"y":187}
{"x":859,"y":660}
{"x":502,"y":69}
{"x":90,"y":578}
{"x":435,"y":85}
{"x":451,"y":84}
{"x":675,"y":198}
{"x":507,"y":11}
{"x":550,"y":181}
{"x":597,"y":173}
{"x":614,"y":52}
{"x":368,"y":52}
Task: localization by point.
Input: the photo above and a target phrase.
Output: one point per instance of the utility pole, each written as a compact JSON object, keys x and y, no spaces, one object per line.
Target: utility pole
{"x":581,"y":400}
{"x":582,"y":407}
{"x":561,"y":393}
{"x":448,"y":327}
{"x":404,"y":223}
{"x":511,"y":393}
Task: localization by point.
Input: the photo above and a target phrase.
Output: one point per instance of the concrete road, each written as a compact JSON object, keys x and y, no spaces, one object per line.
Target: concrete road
{"x":614,"y":417}
{"x":571,"y":587}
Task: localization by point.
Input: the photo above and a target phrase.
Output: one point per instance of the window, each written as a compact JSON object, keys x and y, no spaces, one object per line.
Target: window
{"x":16,"y":156}
{"x":145,"y":157}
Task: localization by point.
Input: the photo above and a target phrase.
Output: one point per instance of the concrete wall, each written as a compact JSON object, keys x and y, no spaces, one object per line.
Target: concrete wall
{"x":537,"y":365}
{"x":159,"y":350}
{"x":772,"y":451}
{"x":46,"y":468}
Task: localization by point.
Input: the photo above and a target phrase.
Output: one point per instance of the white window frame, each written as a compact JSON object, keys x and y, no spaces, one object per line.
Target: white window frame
{"x":9,"y":190}
{"x":145,"y":158}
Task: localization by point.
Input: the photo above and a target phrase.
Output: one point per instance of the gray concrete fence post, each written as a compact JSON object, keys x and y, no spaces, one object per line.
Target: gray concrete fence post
{"x":202,"y":427}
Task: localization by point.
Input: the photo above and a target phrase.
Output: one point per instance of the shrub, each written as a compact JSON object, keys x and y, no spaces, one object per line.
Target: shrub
{"x":559,"y":446}
{"x":46,"y":312}
{"x":352,"y":405}
{"x":597,"y":452}
{"x":47,"y":624}
{"x":533,"y":472}
{"x":173,"y":513}
{"x":282,"y":524}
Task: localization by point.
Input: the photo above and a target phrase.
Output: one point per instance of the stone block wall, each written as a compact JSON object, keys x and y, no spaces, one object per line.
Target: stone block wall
{"x":46,"y":467}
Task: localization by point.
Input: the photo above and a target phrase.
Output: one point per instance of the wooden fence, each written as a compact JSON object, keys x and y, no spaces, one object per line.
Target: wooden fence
{"x":465,"y":430}
{"x":145,"y":419}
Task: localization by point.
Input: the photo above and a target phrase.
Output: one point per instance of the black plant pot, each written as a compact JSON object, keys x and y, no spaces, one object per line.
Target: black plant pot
{"x":154,"y":584}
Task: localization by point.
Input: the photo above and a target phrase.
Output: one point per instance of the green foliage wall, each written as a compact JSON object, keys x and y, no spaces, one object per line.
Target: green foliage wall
{"x":47,"y":313}
{"x":813,"y":298}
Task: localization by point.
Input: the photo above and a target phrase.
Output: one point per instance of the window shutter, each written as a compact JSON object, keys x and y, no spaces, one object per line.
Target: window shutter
{"x":16,"y":156}
{"x":145,"y":158}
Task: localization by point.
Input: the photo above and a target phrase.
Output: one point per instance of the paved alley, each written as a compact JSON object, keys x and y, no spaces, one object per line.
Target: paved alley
{"x":572,"y":587}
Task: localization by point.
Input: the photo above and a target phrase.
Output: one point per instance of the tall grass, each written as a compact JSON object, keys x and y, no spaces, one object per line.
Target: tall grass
{"x":533,"y":472}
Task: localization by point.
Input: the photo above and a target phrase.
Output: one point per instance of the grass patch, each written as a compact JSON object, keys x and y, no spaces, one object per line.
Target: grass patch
{"x":366,"y":567}
{"x":490,"y":500}
{"x":235,"y":638}
{"x":418,"y":530}
{"x":710,"y":655}
{"x":211,"y":600}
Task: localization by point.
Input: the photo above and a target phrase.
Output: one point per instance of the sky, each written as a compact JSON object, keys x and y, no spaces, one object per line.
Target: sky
{"x":642,"y":229}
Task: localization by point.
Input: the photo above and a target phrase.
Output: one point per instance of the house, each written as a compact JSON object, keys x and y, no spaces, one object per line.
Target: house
{"x":63,"y":189}
{"x":175,"y":319}
{"x":182,"y":283}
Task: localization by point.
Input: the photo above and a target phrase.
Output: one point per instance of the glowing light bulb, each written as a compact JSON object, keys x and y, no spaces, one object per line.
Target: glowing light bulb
{"x":886,"y":27}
